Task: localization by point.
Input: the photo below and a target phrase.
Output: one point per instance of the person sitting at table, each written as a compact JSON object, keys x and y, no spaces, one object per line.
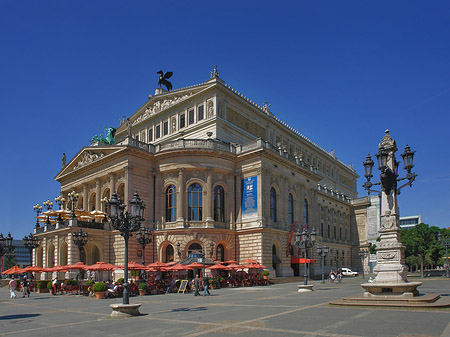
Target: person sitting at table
{"x":112,"y":290}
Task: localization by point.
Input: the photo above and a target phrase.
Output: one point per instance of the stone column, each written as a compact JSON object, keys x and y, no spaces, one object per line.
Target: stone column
{"x":98,"y":192}
{"x":112,"y":183}
{"x":208,"y":208}
{"x":180,"y":198}
{"x":126,"y":192}
{"x":85,"y":197}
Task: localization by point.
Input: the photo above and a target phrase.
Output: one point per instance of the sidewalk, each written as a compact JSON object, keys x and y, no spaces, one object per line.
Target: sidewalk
{"x":250,"y":311}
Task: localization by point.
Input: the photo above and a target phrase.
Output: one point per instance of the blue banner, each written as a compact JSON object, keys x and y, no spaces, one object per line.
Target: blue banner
{"x":249,"y":198}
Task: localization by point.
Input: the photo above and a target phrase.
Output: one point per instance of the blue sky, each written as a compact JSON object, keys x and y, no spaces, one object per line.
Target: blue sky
{"x":340,"y":72}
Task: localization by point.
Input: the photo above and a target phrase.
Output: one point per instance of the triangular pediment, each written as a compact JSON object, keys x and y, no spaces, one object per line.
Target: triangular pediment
{"x":88,"y":156}
{"x":161,"y":102}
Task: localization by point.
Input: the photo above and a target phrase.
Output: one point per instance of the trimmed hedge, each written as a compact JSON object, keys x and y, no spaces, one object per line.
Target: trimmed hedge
{"x":99,"y":287}
{"x":42,"y":284}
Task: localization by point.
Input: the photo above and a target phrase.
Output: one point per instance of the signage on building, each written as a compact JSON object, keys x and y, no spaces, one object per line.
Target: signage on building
{"x":249,"y":198}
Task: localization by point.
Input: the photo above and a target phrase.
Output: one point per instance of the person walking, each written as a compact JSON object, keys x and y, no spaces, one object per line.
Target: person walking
{"x":196,"y":285}
{"x":12,"y":287}
{"x":25,"y":285}
{"x":205,"y":286}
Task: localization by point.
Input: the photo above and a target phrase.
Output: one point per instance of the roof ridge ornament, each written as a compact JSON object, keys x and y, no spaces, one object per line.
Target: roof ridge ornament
{"x":214,"y":72}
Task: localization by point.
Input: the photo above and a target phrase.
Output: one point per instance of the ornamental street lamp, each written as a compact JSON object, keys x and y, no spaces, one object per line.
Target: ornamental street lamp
{"x":446,"y":243}
{"x":6,"y":246}
{"x":305,"y":240}
{"x":38,"y":209}
{"x":143,"y":237}
{"x":60,"y":201}
{"x":211,"y":253}
{"x":322,"y":251}
{"x":179,"y":250}
{"x":80,"y":239}
{"x":31,"y":242}
{"x":126,"y":223}
{"x":73,"y":197}
{"x":390,"y":267}
{"x":363,"y":253}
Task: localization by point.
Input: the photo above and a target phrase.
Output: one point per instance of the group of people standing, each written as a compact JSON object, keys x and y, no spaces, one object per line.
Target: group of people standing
{"x":335,"y":275}
{"x":198,"y":282}
{"x":13,"y":284}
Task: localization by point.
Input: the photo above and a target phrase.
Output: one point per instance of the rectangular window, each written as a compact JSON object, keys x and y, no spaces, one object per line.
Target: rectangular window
{"x":340,"y":233}
{"x":182,"y":120}
{"x":158,"y":131}
{"x":165,"y":128}
{"x":328,"y":236}
{"x":191,"y":116}
{"x":321,"y":231}
{"x":150,"y":135}
{"x":137,"y":137}
{"x":200,"y":113}
{"x":335,"y":237}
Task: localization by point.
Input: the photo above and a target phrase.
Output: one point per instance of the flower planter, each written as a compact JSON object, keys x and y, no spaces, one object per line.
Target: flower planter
{"x":43,"y":291}
{"x":142,"y":292}
{"x":100,"y":295}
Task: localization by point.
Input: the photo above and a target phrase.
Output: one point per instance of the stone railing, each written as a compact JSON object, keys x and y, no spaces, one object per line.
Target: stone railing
{"x":341,"y":196}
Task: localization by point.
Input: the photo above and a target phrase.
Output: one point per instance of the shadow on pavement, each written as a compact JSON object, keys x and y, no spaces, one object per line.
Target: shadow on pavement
{"x":190,"y":309}
{"x":20,"y":316}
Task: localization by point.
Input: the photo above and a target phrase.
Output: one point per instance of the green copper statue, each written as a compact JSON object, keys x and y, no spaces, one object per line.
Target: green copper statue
{"x":110,"y":137}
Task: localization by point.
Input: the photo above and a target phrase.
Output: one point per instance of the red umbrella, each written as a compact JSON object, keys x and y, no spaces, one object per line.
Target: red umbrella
{"x":157,"y":265}
{"x":255,"y":266}
{"x":195,"y":265}
{"x":235,"y":266}
{"x":179,"y":267}
{"x":100,"y":266}
{"x":14,"y":270}
{"x":231,"y":262}
{"x":219,"y":267}
{"x":78,"y":265}
{"x":35,"y":269}
{"x":132,"y":266}
{"x":250,"y":261}
{"x":57,"y":268}
{"x":150,"y":269}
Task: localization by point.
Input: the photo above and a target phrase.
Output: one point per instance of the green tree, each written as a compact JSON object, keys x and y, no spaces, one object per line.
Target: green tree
{"x":421,"y":241}
{"x":9,"y":261}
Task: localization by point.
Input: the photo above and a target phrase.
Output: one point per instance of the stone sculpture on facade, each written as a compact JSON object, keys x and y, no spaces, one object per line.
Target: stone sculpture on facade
{"x":163,"y":79}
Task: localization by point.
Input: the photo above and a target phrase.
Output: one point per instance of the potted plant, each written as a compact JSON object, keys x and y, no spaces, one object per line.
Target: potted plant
{"x":266,"y":274}
{"x":99,"y":289}
{"x":212,"y":283}
{"x":142,"y":288}
{"x":120,"y":280}
{"x":42,"y":286}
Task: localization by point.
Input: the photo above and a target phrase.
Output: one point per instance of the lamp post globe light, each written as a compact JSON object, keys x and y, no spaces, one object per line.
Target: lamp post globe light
{"x":80,"y":239}
{"x":323,"y":252}
{"x":143,"y":237}
{"x":31,"y":242}
{"x":38,"y":209}
{"x":446,"y":243}
{"x":73,"y":197}
{"x":305,"y":240}
{"x":363,"y":253}
{"x":390,"y":268}
{"x":126,"y":223}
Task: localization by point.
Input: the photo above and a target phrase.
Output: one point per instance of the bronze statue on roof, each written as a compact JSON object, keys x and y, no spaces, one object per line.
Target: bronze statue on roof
{"x":163,"y":79}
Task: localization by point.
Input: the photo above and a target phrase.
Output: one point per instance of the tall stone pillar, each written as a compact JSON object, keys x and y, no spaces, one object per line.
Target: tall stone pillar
{"x":85,"y":197}
{"x":208,"y":196}
{"x":112,"y":184}
{"x":98,"y":192}
{"x":180,"y":198}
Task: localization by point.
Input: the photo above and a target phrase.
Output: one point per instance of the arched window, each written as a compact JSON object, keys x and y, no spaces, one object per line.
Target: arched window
{"x":171,"y":203}
{"x":195,"y":247}
{"x":169,"y":254}
{"x":220,"y":253}
{"x":291,"y":208}
{"x":195,"y":202}
{"x":273,"y":205}
{"x":305,"y":212}
{"x":219,"y":204}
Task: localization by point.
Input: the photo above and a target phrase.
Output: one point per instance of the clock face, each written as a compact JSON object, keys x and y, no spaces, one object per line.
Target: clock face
{"x":139,"y":252}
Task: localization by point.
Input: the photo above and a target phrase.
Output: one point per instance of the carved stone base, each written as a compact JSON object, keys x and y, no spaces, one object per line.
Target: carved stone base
{"x":305,"y":288}
{"x":391,"y":290}
{"x":125,"y":310}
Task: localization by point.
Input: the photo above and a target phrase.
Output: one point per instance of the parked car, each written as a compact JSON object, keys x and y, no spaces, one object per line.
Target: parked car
{"x":349,"y":272}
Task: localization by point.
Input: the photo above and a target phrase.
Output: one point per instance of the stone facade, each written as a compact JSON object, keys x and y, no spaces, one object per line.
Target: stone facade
{"x":189,"y":153}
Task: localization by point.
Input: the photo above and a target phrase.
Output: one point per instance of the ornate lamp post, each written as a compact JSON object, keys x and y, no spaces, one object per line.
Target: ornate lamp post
{"x":126,"y":223}
{"x":6,"y":247}
{"x":363,"y":253}
{"x":31,"y":242}
{"x":143,"y":237}
{"x":322,"y":251}
{"x":60,"y":201}
{"x":179,"y":250}
{"x":305,"y":240}
{"x":211,"y":253}
{"x":73,"y":197}
{"x":390,"y":268}
{"x":38,"y":209}
{"x":446,"y":243}
{"x":80,"y":239}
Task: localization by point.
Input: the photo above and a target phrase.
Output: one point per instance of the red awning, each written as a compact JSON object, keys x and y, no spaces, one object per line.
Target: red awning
{"x":301,"y":260}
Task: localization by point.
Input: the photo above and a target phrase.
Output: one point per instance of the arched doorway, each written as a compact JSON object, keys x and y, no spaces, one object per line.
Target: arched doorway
{"x":168,"y":254}
{"x":194,"y":247}
{"x":39,"y":256}
{"x":276,"y":262}
{"x":93,"y":254}
{"x":51,"y":256}
{"x":63,"y":254}
{"x":220,"y":253}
